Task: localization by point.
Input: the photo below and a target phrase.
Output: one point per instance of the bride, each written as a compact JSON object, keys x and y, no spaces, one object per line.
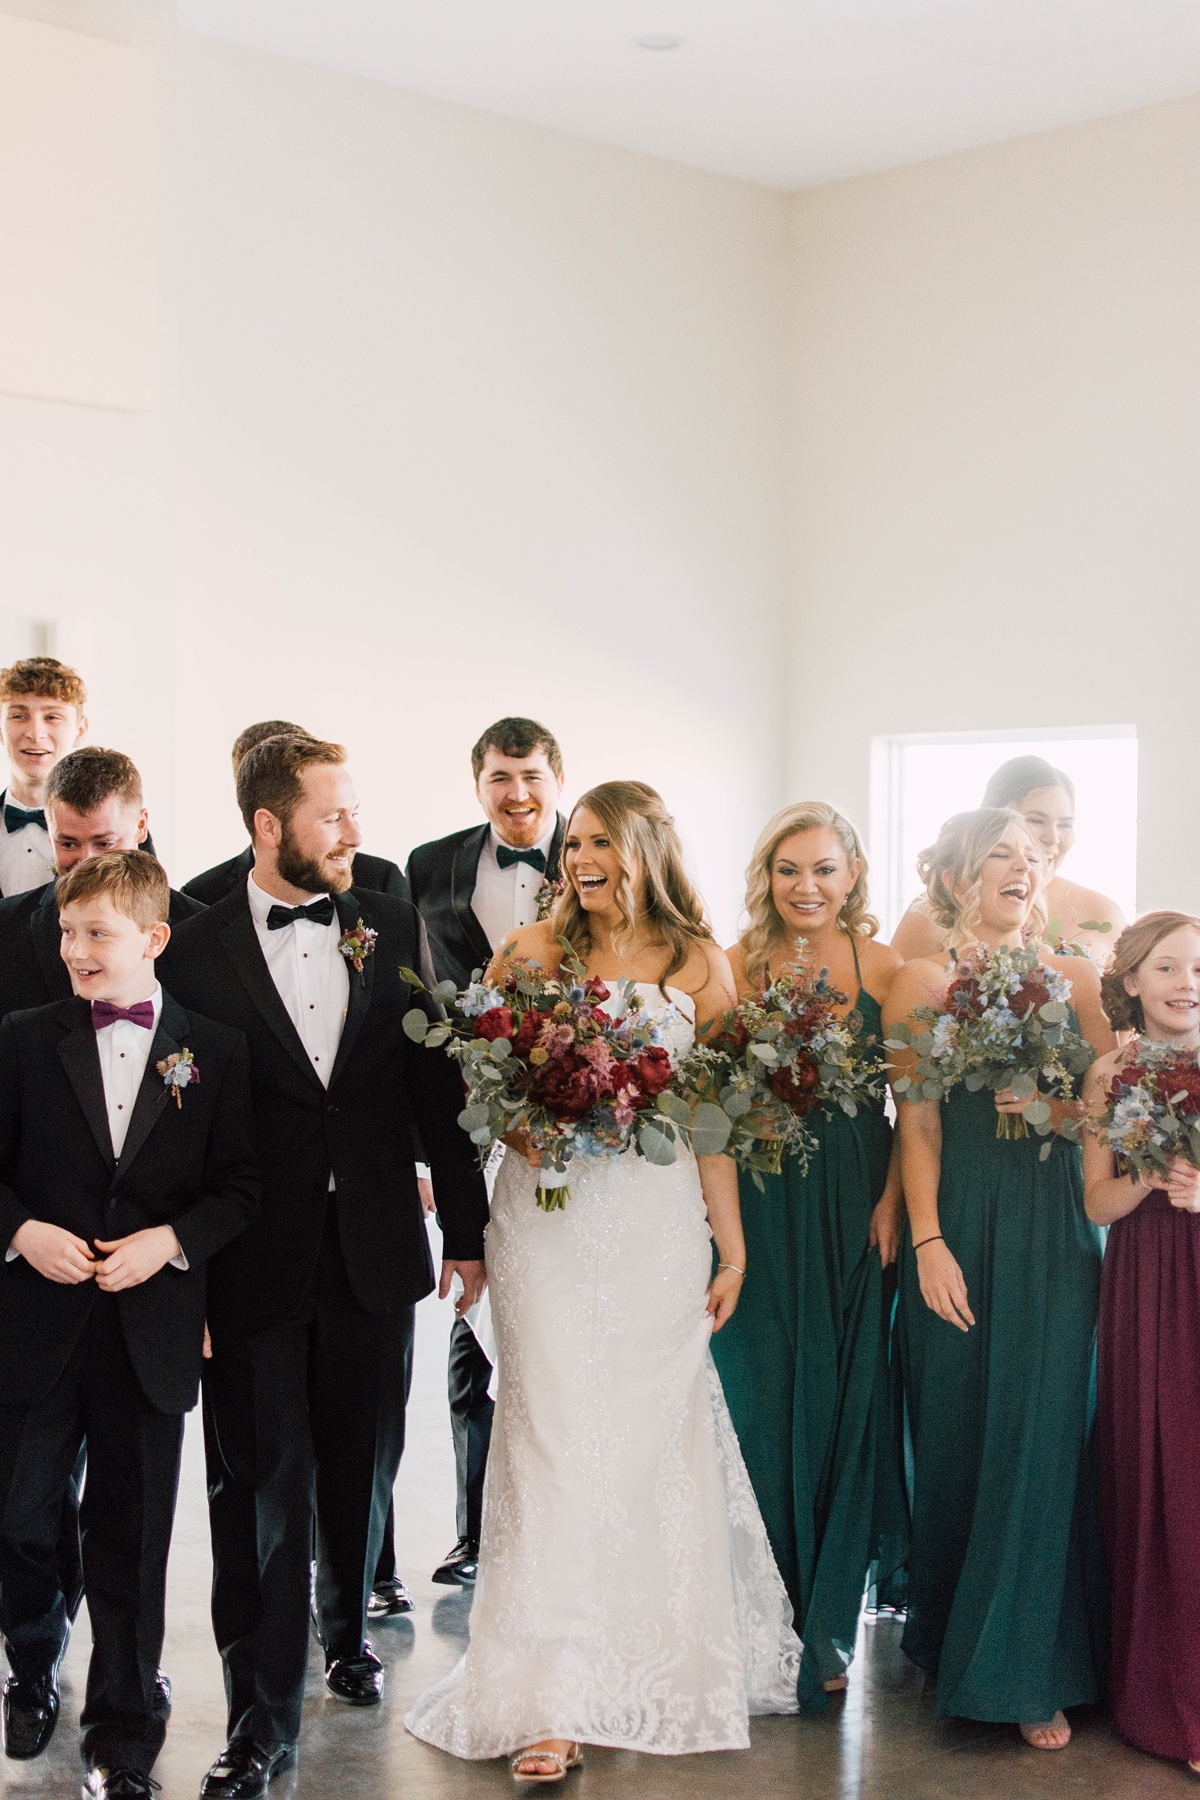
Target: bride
{"x":626,"y":1595}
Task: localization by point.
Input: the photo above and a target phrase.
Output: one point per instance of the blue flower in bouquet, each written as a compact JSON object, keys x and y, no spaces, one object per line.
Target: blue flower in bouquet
{"x":478,"y":998}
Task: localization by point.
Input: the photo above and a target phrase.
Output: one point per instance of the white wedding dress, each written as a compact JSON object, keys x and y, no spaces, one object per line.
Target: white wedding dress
{"x":627,"y":1595}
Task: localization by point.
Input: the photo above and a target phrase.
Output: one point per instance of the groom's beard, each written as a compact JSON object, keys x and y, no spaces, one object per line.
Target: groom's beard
{"x":301,"y":871}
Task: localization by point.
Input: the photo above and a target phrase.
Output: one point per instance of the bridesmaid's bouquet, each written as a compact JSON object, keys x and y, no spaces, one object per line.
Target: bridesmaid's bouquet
{"x":1005,"y":1024}
{"x":548,"y":1056}
{"x":777,"y":1058}
{"x":1151,"y":1110}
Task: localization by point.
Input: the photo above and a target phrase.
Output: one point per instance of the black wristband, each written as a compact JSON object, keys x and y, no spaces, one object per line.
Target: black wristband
{"x":937,"y":1238}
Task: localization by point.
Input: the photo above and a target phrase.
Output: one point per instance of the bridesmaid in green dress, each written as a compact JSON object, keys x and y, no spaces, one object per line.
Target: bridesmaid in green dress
{"x":804,"y":1360}
{"x":999,"y":1281}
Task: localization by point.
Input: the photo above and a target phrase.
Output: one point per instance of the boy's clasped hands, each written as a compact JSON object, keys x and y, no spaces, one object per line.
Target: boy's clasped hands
{"x":61,"y":1256}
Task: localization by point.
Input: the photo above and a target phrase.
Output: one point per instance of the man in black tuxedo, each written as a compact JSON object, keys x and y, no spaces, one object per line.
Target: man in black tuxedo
{"x":311,"y":1312}
{"x":93,"y":805}
{"x":126,"y":1160}
{"x":373,"y":872}
{"x":472,"y":889}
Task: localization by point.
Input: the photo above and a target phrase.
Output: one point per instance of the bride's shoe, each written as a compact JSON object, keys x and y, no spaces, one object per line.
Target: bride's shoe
{"x":573,"y":1761}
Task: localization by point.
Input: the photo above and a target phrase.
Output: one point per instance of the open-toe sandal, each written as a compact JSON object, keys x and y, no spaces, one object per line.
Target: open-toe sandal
{"x":573,"y":1761}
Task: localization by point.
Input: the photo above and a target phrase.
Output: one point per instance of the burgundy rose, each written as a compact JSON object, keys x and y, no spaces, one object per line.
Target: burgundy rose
{"x":527,"y":1033}
{"x":652,"y":1069}
{"x":596,"y":990}
{"x":497,"y":1022}
{"x":1030,"y":993}
{"x":1181,"y":1078}
{"x":796,"y":1085}
{"x":566,"y":1086}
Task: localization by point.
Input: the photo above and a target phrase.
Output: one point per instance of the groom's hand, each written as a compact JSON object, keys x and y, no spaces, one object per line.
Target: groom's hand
{"x":473,"y":1276}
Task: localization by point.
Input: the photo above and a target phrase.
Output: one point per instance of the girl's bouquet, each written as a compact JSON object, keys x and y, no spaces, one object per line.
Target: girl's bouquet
{"x":579,"y":1067}
{"x":778,"y":1058}
{"x":1005,"y":1024}
{"x":1151,"y":1110}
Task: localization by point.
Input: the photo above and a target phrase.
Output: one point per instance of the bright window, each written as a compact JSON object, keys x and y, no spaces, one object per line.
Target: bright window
{"x":918,"y":781}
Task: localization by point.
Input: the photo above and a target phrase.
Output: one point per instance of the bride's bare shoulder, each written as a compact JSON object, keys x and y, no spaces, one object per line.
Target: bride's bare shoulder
{"x":528,"y":943}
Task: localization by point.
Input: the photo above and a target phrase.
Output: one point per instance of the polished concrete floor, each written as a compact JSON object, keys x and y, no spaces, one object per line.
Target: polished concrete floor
{"x":881,"y":1742}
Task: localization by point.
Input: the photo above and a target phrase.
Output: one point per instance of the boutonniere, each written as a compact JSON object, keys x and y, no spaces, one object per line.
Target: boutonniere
{"x":546,"y":896}
{"x":178,"y":1071}
{"x":356,"y":943}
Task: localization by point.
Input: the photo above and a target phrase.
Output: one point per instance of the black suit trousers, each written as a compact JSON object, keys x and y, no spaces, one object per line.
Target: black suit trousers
{"x":307,"y":1413}
{"x":126,"y":1515}
{"x":468,"y":1374}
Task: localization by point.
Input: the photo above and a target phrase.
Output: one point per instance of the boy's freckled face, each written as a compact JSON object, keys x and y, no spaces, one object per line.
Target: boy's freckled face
{"x":109,"y":955}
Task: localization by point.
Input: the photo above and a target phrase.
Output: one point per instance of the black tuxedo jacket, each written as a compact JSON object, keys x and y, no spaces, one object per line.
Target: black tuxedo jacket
{"x":374,"y":872}
{"x":191,"y":1167}
{"x":441,"y":879}
{"x":32,"y":971}
{"x":383,"y":1089}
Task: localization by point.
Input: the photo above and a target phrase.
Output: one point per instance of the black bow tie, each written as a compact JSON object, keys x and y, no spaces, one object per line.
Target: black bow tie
{"x":508,"y":859}
{"x":15,"y":817}
{"x":320,"y":912}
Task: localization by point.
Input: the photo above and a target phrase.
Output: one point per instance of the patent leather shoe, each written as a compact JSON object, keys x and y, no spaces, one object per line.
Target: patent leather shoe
{"x":118,"y":1784}
{"x":358,"y":1680}
{"x":461,"y":1566}
{"x":388,"y":1598}
{"x":30,"y":1715}
{"x":244,"y":1768}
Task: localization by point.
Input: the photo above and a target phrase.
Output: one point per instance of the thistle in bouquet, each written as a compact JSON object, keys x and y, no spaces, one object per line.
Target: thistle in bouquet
{"x":778,"y":1057}
{"x":1005,"y":1024}
{"x":1151,"y":1110}
{"x":572,"y":1064}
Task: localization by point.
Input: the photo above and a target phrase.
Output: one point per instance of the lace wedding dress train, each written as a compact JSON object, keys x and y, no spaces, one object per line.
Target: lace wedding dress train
{"x":627,"y":1595}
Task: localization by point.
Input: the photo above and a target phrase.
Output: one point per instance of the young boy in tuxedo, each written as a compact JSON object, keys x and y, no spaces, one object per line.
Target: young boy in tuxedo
{"x":126,"y":1161}
{"x":41,"y":719}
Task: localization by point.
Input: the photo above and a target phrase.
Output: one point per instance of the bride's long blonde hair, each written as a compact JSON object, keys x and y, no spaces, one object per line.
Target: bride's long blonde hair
{"x":642,"y":833}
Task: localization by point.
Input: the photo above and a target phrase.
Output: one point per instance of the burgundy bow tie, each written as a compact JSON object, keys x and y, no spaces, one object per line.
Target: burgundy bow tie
{"x":140,"y":1013}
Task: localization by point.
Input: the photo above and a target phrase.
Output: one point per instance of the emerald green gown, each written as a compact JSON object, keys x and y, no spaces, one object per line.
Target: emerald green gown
{"x":805,"y":1367}
{"x":1006,"y":1574}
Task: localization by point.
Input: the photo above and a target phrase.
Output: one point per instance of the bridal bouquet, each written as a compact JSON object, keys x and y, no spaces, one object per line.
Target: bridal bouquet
{"x":776,"y":1059}
{"x":547,"y":1056}
{"x":1151,"y":1110}
{"x":1005,"y":1024}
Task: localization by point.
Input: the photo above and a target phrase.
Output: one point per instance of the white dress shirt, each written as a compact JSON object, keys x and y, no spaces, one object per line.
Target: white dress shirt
{"x":506,"y":898}
{"x":124,"y":1050}
{"x":310,"y":976}
{"x":26,"y":858}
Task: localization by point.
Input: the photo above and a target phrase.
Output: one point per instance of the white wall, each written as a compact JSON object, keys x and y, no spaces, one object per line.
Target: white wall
{"x":472,"y":419}
{"x":996,"y":437}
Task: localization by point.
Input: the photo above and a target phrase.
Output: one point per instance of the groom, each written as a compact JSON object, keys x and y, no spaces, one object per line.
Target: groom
{"x":311,"y":1311}
{"x":472,"y":889}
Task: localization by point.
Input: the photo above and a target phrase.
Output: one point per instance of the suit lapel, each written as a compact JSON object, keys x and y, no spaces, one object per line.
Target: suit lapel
{"x":47,"y":944}
{"x":154,"y":1094}
{"x":462,"y":889}
{"x":245,"y":953}
{"x":554,"y":860}
{"x":350,"y":909}
{"x":81,"y":1059}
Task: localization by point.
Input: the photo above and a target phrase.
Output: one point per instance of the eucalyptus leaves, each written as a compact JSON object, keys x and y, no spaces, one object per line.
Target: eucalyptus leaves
{"x":1006,"y":1023}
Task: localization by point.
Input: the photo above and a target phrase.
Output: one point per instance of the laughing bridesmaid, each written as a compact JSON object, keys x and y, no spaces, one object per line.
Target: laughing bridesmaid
{"x":1149,"y":1377}
{"x":804,"y":1360}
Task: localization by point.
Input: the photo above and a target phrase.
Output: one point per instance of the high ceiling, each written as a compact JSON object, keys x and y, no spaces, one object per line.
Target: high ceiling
{"x":785,"y":92}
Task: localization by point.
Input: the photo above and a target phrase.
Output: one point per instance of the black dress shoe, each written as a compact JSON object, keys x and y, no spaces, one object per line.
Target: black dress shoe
{"x":387,"y":1598}
{"x":162,"y":1694}
{"x":30,"y":1715}
{"x":461,"y":1566}
{"x":358,"y":1680}
{"x":118,"y":1784}
{"x":244,"y":1768}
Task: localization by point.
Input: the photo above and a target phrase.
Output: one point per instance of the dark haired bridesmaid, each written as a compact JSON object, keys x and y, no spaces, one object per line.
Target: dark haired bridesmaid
{"x":1149,"y":1375}
{"x":1045,"y":798}
{"x":804,"y":1361}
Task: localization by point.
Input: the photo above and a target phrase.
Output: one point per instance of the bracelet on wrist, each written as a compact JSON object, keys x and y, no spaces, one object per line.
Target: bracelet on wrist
{"x":734,"y":1267}
{"x":937,"y":1238}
